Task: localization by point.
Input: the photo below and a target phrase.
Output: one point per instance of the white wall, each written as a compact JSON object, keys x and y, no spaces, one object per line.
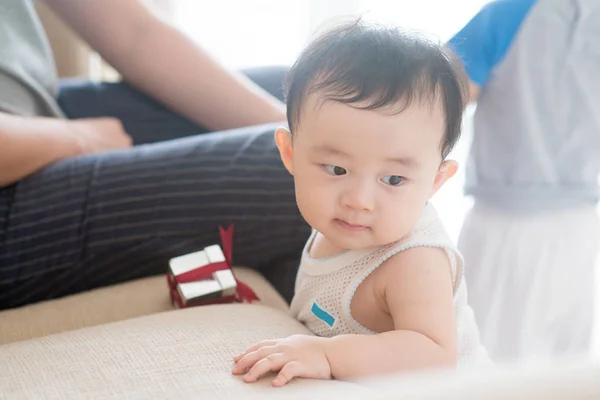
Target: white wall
{"x":244,"y":33}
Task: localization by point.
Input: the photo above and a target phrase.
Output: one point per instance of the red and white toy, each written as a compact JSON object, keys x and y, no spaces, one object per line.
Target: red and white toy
{"x":205,"y":277}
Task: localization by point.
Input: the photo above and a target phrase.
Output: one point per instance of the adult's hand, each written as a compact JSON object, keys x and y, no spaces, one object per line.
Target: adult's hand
{"x":96,"y":135}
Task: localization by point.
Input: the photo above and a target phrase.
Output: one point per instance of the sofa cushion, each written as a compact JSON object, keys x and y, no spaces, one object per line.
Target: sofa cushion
{"x":114,"y":303}
{"x":178,"y":354}
{"x":187,"y":354}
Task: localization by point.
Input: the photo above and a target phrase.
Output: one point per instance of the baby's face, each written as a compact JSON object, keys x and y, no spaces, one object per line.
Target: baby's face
{"x":363,"y":177}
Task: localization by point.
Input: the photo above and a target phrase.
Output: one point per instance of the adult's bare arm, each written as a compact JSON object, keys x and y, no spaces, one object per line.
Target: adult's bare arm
{"x":161,"y":61}
{"x":27,"y":144}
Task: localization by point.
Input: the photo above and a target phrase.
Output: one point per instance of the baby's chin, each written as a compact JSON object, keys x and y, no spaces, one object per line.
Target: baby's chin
{"x":362,"y":240}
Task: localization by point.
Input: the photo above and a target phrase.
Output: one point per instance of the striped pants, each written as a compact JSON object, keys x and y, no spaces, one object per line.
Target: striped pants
{"x":92,"y":221}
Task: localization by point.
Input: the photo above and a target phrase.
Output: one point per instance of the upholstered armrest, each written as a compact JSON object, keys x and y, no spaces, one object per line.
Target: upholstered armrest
{"x":114,"y":303}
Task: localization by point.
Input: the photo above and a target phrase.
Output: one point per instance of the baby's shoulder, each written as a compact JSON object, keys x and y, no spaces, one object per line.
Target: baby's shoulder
{"x":413,"y":261}
{"x":426,"y":248}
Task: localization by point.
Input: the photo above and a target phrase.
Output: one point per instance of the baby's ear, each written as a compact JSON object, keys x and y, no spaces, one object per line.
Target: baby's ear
{"x":446,"y":171}
{"x":283,"y":139}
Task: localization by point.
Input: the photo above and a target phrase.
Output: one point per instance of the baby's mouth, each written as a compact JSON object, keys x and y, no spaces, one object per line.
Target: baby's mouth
{"x":350,"y":226}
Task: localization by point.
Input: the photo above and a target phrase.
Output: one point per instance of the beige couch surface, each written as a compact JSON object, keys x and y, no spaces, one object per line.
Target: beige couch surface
{"x":187,"y":354}
{"x":115,"y":303}
{"x":177,"y":354}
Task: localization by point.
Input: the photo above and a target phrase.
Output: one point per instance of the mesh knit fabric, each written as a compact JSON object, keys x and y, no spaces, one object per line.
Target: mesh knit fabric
{"x":325,"y":287}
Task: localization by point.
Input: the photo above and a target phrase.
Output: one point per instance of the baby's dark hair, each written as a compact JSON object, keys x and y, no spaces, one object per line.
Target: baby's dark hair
{"x":379,"y":66}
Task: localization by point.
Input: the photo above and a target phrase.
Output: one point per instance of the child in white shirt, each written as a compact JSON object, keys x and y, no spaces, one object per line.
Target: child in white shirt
{"x":373,"y":113}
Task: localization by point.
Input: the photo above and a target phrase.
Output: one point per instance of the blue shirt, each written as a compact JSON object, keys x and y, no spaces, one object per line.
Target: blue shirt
{"x":484,"y":41}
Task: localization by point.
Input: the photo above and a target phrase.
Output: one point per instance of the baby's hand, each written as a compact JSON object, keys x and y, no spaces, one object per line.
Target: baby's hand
{"x":296,"y":356}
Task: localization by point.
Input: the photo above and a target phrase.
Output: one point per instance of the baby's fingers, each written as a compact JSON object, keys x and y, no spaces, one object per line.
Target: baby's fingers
{"x":250,"y":359}
{"x":291,"y":370}
{"x":273,"y":362}
{"x":254,"y":348}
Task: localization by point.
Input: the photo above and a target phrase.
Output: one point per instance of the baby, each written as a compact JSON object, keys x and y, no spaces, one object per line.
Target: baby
{"x":373,"y":113}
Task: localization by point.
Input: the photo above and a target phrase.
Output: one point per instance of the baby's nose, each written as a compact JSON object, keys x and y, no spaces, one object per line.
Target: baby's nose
{"x":358,"y":198}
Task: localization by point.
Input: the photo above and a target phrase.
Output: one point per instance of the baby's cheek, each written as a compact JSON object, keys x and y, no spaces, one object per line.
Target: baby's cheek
{"x":398,"y":221}
{"x":311,"y":202}
{"x":393,"y":228}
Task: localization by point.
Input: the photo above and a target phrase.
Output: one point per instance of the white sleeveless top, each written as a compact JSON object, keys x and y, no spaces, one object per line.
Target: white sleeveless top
{"x":325,"y":287}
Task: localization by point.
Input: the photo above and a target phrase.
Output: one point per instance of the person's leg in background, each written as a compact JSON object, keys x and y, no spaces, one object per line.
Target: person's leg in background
{"x":92,"y":221}
{"x":531,"y":280}
{"x":144,"y":119}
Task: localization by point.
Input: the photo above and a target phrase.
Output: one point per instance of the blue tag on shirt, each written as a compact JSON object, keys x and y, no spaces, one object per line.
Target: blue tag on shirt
{"x":322,"y":315}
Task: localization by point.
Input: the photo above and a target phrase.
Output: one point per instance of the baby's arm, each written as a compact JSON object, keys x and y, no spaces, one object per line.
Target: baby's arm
{"x":417,"y":292}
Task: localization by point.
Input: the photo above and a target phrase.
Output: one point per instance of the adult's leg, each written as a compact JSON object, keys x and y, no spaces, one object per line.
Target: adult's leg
{"x":272,"y":79}
{"x":146,"y":120}
{"x":531,"y":280}
{"x":97,"y":220}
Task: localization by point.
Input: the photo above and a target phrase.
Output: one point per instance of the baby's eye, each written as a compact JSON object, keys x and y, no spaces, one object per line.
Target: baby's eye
{"x":335,"y":170}
{"x":393,"y":180}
